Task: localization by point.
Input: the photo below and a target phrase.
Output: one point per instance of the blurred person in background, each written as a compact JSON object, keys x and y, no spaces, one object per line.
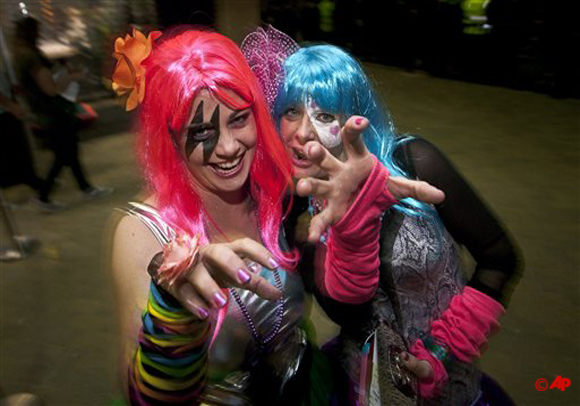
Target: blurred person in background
{"x":56,"y":115}
{"x":17,"y":166}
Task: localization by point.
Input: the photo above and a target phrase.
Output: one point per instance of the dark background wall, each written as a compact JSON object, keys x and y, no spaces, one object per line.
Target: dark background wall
{"x":524,"y":44}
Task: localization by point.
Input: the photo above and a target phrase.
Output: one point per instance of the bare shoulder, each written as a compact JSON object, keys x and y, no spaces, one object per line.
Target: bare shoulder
{"x":133,"y":248}
{"x":132,"y":240}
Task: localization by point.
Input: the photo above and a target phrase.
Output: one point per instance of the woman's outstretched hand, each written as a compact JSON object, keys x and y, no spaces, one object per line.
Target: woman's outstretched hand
{"x":345,"y":178}
{"x":222,"y":265}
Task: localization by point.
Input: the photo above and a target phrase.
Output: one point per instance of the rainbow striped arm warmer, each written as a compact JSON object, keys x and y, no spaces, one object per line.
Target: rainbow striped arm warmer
{"x":170,"y":365}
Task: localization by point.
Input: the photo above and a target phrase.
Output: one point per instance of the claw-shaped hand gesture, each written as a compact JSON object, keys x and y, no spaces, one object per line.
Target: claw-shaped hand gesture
{"x":345,"y":178}
{"x":222,"y":265}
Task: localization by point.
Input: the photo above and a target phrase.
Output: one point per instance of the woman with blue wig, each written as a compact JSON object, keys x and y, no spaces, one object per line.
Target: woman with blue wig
{"x":419,"y":290}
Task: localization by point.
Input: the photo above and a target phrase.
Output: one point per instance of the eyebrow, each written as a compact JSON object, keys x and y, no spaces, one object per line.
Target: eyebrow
{"x":198,"y":123}
{"x":198,"y":116}
{"x":203,"y":125}
{"x":236,"y":113}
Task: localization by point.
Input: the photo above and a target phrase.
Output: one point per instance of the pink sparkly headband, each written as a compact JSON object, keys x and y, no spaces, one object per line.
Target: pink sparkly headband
{"x":265,"y":50}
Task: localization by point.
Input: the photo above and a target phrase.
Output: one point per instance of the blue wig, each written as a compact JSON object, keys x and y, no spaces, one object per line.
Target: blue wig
{"x":338,"y":85}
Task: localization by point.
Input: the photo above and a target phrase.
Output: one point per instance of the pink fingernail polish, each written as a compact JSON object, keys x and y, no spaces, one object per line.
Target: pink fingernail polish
{"x":219,"y":300}
{"x":243,"y":276}
{"x":196,"y":309}
{"x":273,"y":263}
{"x":203,"y":314}
{"x":254,"y":268}
{"x":358,"y":121}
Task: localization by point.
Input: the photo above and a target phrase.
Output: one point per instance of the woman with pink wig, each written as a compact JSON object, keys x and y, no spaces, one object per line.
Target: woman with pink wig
{"x":210,"y":310}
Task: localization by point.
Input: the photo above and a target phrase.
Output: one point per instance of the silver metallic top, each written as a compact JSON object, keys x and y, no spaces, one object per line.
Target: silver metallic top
{"x":235,"y":355}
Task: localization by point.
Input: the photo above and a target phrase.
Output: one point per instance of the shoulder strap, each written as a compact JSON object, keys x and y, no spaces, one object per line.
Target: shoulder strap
{"x":162,"y":231}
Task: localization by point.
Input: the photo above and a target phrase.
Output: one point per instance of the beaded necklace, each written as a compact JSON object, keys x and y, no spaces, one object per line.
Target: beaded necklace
{"x":260,"y":340}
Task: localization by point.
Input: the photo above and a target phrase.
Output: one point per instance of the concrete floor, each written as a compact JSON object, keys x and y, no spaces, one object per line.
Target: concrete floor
{"x":519,"y":149}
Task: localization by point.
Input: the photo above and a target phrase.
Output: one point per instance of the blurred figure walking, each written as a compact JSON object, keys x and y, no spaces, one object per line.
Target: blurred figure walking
{"x":16,"y":163}
{"x":56,"y":115}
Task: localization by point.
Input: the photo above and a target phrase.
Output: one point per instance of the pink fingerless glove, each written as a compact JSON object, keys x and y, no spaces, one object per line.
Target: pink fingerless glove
{"x":472,"y":317}
{"x":429,"y":387}
{"x":352,"y":257}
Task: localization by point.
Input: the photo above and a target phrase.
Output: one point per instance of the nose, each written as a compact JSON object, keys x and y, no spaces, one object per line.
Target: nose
{"x":305,"y":130}
{"x":228,"y":145}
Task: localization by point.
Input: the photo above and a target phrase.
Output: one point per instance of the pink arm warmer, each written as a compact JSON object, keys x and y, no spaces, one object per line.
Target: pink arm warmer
{"x":352,"y":257}
{"x":465,"y":326}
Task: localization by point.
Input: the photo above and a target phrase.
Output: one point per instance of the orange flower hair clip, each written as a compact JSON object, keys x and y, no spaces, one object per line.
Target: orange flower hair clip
{"x":129,"y":75}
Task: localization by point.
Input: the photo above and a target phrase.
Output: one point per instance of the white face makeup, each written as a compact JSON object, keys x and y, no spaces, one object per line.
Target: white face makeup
{"x":326,"y":125}
{"x":306,"y":122}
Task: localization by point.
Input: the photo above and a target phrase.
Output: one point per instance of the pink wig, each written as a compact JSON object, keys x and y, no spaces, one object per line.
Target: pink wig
{"x":178,"y":68}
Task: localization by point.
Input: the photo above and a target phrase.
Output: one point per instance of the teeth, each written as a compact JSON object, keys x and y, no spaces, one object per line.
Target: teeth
{"x":227,"y":167}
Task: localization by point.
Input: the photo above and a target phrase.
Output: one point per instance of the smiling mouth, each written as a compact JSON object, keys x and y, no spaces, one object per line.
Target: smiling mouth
{"x":228,"y":169}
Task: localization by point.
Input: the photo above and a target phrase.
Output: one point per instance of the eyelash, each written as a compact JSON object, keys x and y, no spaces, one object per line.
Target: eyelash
{"x":204,"y":133}
{"x":200,"y":134}
{"x":239,"y":121}
{"x":291,"y":112}
{"x":325,"y":118}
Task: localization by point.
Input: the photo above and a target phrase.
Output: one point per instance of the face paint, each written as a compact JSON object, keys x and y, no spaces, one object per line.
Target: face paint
{"x":220,"y":143}
{"x":196,"y":124}
{"x":206,"y":133}
{"x":210,"y":144}
{"x":326,"y":125}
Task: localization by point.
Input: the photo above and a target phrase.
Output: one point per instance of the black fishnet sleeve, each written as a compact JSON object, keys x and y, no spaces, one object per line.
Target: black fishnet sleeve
{"x":467,"y":218}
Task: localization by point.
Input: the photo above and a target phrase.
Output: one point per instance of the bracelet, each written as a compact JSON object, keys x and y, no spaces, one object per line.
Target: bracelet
{"x":439,"y":350}
{"x":178,"y":256}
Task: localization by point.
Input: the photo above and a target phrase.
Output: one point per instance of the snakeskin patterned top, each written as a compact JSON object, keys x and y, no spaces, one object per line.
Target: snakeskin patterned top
{"x":423,"y":261}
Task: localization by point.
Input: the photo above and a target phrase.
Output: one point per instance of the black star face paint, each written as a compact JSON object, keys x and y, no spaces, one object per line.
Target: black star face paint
{"x":192,"y":139}
{"x":210,"y":144}
{"x":218,"y":146}
{"x":206,"y":133}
